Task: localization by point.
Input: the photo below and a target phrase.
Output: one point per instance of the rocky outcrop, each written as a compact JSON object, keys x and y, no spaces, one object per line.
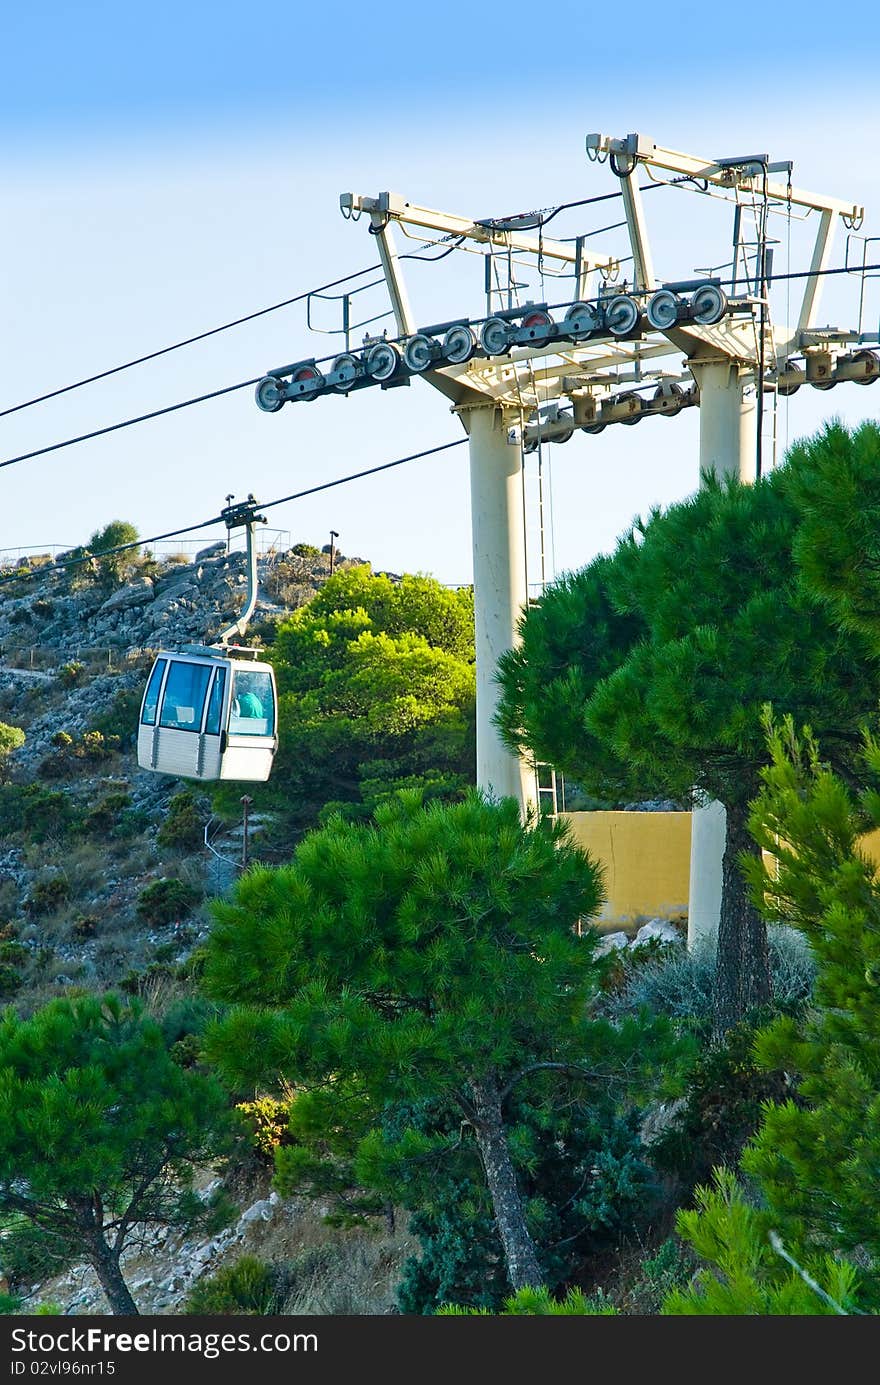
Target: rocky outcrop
{"x":137,"y":593}
{"x":65,"y":613}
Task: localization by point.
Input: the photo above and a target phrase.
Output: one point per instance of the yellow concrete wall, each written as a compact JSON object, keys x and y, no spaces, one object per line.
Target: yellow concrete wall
{"x":870,"y":844}
{"x":645,"y":858}
{"x":646,"y":861}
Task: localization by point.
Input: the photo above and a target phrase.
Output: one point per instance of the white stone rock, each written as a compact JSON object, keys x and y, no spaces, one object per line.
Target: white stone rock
{"x":656,"y":928}
{"x":258,"y":1211}
{"x":611,"y":942}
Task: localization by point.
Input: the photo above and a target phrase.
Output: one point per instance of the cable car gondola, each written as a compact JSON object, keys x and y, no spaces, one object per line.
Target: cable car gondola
{"x":210,"y":711}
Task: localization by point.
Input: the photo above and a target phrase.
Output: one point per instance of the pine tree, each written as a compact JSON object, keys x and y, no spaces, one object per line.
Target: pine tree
{"x":100,"y":1129}
{"x":748,"y":1271}
{"x":816,"y":1155}
{"x":376,"y":692}
{"x":813,"y":1162}
{"x":429,"y":955}
{"x":719,"y":624}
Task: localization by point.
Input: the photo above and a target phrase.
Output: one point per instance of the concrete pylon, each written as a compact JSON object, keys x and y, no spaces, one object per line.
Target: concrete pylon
{"x":728,"y":418}
{"x":728,"y":447}
{"x":500,"y":588}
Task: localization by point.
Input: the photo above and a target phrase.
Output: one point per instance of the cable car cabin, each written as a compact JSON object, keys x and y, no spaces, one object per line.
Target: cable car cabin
{"x":208,"y":714}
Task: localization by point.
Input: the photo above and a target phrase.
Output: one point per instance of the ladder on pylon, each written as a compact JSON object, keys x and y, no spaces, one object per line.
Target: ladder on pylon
{"x":549,"y":782}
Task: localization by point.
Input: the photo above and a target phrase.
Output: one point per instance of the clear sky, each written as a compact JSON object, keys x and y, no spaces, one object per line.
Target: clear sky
{"x":168,"y":168}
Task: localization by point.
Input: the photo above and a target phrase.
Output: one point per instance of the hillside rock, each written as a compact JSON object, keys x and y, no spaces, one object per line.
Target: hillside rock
{"x":135,"y":594}
{"x":50,"y":617}
{"x":82,"y":820}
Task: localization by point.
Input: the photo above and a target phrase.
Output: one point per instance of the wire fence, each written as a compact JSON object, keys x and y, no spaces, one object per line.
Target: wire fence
{"x":270,"y":543}
{"x":103,"y":658}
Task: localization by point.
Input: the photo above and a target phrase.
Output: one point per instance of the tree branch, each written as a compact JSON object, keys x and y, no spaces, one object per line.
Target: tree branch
{"x":588,"y":1074}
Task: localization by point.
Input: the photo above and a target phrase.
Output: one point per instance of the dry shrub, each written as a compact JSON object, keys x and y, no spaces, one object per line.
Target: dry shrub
{"x":350,"y":1273}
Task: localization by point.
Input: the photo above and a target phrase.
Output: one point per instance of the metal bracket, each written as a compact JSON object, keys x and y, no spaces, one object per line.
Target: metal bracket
{"x":244,"y":515}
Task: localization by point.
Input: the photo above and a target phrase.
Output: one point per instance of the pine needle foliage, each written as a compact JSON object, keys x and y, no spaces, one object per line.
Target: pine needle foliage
{"x":816,"y":1157}
{"x":539,"y":1303}
{"x":100,"y":1129}
{"x":744,"y":1273}
{"x":835,"y":483}
{"x":376,"y":692}
{"x":664,"y":655}
{"x":430,"y":954}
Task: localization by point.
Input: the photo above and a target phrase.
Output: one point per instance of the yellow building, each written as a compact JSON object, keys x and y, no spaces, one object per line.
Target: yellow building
{"x":645,"y":858}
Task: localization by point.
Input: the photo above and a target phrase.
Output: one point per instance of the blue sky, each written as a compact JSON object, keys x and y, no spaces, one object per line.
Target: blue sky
{"x":86,"y":64}
{"x":167,"y":169}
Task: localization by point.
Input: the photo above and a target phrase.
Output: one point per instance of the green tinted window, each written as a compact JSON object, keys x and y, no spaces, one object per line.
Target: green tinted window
{"x":215,"y":704}
{"x":253,"y":704}
{"x":151,"y":698}
{"x":184,"y":696}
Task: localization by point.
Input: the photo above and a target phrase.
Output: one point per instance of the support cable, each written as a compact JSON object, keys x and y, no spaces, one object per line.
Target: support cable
{"x":225,"y":327}
{"x":129,"y":422}
{"x":243,"y":384}
{"x":188,"y":341}
{"x":219,"y":519}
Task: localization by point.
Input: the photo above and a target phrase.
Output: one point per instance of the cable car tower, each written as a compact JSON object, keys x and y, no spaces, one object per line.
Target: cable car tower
{"x":526,"y":373}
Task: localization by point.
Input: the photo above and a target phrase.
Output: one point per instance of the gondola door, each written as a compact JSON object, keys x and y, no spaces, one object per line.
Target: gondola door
{"x":181,"y":723}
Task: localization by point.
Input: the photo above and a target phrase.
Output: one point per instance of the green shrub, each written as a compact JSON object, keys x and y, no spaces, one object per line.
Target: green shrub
{"x":121,"y":719}
{"x":14,"y":954}
{"x":166,"y":901}
{"x":72,"y":674}
{"x":671,"y":980}
{"x":268,"y":1121}
{"x":94,"y":745}
{"x":726,"y":1096}
{"x":670,"y":1269}
{"x":84,"y":926}
{"x":29,"y":1255}
{"x":306,"y":550}
{"x":131,"y":823}
{"x":182,"y":827}
{"x":106,"y":814}
{"x":9,"y":1303}
{"x":112,"y":567}
{"x":71,"y":753}
{"x":188,"y":1015}
{"x":46,"y":896}
{"x":11,"y":738}
{"x":41,"y":813}
{"x":249,"y":1287}
{"x":10,"y":981}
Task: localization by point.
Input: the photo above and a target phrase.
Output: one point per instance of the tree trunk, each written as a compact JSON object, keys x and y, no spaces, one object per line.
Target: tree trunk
{"x":105,"y":1263}
{"x":742,"y":965}
{"x":523,"y":1269}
